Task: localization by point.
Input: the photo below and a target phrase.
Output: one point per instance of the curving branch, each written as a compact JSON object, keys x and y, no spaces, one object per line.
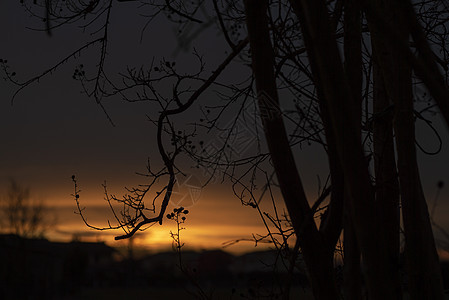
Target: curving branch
{"x":180,"y":13}
{"x":169,"y":161}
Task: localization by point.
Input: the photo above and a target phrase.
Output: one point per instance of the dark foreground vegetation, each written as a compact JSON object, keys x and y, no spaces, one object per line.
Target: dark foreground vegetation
{"x":40,"y":269}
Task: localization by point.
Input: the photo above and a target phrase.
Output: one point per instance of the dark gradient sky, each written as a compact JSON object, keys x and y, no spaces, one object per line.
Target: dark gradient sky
{"x":53,"y":131}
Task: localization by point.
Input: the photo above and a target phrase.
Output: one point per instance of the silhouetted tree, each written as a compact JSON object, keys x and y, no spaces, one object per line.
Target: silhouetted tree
{"x":22,"y":214}
{"x":341,"y":102}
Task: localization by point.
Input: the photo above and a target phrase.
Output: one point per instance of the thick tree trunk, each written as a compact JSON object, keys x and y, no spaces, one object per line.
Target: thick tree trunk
{"x":353,"y":69}
{"x":387,"y":185}
{"x":329,"y":77}
{"x":317,"y":254}
{"x":352,"y":287}
{"x":423,"y":265}
{"x":424,"y":64}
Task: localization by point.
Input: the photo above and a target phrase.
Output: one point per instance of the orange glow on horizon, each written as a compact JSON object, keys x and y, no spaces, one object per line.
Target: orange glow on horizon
{"x":217,"y":218}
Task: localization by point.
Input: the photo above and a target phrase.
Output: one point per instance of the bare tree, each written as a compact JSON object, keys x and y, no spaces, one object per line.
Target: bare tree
{"x":22,"y":214}
{"x":341,"y":102}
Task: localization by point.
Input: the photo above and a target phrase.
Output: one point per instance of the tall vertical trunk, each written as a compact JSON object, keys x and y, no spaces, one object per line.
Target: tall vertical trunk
{"x":387,"y":185}
{"x":317,"y":254}
{"x":352,"y":284}
{"x":423,"y":265}
{"x":328,"y":75}
{"x":424,"y":64}
{"x":353,"y":70}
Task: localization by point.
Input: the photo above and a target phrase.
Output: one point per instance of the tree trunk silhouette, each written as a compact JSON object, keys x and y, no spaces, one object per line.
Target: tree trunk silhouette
{"x":329,"y":76}
{"x":422,"y":258}
{"x":353,"y":69}
{"x":387,"y":185}
{"x":352,"y":284}
{"x":317,"y":254}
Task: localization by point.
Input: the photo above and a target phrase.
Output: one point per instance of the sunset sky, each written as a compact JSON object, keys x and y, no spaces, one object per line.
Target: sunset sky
{"x":53,"y":131}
